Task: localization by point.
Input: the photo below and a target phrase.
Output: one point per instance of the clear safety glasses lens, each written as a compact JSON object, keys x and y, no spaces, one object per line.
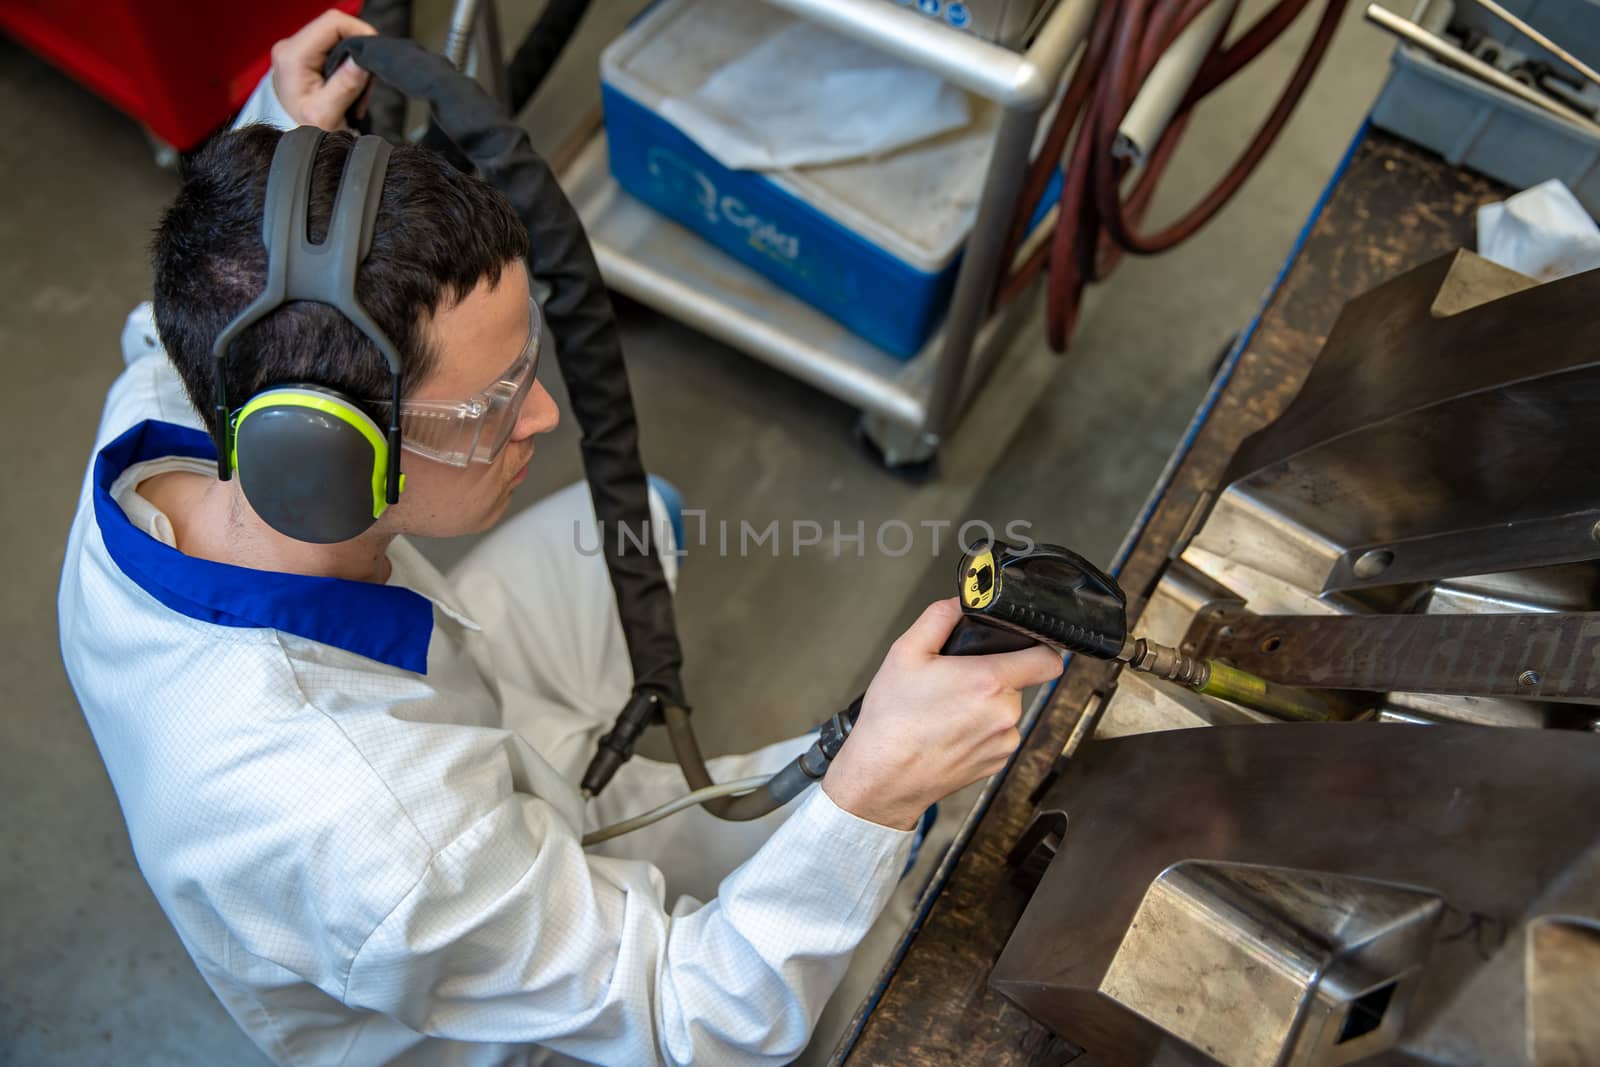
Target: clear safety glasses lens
{"x":476,"y":429}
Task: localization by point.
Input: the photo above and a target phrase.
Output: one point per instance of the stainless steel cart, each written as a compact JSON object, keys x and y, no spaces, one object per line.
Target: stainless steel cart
{"x":907,"y":406}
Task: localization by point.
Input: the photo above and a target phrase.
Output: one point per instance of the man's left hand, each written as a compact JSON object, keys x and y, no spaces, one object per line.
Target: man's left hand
{"x":310,"y":99}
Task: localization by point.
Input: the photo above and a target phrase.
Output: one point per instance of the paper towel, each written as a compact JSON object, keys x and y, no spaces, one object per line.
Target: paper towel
{"x":806,"y":96}
{"x":1543,"y":232}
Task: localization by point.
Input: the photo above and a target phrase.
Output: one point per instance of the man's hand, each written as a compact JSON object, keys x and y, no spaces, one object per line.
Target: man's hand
{"x":297,"y":78}
{"x":932,"y":724}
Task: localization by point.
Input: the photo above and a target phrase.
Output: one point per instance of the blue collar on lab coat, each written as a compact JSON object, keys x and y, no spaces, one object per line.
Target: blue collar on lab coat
{"x":382,"y":622}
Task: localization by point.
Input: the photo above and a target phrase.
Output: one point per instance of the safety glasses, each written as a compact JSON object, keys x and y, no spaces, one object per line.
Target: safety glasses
{"x":474,"y":430}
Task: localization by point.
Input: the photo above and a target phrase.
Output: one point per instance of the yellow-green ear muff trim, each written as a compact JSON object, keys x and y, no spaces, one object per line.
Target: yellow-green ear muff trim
{"x":339,"y":409}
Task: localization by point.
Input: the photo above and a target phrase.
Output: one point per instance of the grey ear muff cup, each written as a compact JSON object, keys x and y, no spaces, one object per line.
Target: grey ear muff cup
{"x":308,"y":473}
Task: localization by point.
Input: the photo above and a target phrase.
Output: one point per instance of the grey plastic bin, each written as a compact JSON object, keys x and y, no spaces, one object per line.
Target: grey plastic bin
{"x":1476,"y":126}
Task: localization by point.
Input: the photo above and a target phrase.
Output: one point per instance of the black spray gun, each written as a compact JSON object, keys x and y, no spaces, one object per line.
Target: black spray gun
{"x":1012,"y":597}
{"x":1050,"y":595}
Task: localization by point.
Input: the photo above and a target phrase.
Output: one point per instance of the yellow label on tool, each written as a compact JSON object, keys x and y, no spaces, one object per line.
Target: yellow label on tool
{"x":981,"y":581}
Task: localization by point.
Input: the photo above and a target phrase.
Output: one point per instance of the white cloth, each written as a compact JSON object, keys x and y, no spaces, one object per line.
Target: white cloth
{"x":357,"y":803}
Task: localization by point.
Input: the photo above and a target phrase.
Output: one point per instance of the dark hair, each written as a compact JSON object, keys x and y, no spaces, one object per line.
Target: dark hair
{"x":438,"y":234}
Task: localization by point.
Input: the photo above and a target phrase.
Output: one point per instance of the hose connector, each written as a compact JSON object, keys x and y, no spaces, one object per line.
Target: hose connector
{"x":643,"y":708}
{"x":831,"y":735}
{"x":1164,"y":662}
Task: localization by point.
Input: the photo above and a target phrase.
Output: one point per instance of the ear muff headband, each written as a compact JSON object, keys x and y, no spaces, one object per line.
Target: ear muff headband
{"x":324,"y":272}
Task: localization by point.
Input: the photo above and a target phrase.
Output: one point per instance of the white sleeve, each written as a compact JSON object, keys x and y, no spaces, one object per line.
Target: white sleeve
{"x":513,"y":934}
{"x":148,"y":387}
{"x":264,"y":106}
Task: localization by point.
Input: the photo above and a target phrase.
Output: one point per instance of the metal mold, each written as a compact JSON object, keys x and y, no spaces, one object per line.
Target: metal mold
{"x":1563,"y":991}
{"x":1415,"y":426}
{"x":1378,"y":817}
{"x":1265,"y":966}
{"x":1419,"y":531}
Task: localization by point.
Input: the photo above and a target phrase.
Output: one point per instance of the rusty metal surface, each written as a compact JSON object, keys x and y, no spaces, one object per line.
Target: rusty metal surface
{"x":1394,"y":207}
{"x":1530,"y":655}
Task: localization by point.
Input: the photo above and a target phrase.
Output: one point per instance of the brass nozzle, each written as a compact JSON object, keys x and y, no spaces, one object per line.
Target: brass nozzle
{"x":1225,"y":682}
{"x":1164,"y":662}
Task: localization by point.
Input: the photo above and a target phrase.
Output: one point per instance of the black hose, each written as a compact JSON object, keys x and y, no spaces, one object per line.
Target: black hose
{"x":527,"y":69}
{"x":971,"y":637}
{"x":784,"y":786}
{"x":537,"y":54}
{"x":391,"y":18}
{"x":386,"y":105}
{"x":588,"y":343}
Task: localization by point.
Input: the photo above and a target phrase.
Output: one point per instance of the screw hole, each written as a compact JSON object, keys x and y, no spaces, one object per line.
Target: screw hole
{"x":1373,"y":563}
{"x":1366,"y":1013}
{"x":1272,"y":644}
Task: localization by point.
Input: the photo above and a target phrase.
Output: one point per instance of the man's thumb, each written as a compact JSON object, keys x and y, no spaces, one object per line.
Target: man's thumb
{"x":346,"y":84}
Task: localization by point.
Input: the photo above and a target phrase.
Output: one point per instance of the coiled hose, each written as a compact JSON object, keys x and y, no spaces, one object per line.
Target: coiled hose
{"x":1096,"y":224}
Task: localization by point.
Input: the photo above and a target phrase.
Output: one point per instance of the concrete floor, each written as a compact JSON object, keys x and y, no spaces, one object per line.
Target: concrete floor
{"x":90,"y":973}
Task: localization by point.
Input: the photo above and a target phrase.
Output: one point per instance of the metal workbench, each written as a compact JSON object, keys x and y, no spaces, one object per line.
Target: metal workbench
{"x":1390,"y":207}
{"x":906,"y":406}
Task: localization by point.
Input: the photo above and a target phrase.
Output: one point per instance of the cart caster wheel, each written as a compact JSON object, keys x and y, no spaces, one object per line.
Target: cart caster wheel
{"x":909,"y":454}
{"x":165,"y":155}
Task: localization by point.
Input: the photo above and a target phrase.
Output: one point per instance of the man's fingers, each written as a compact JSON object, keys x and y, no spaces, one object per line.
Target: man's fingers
{"x":304,"y":53}
{"x":297,"y":64}
{"x":933,"y":627}
{"x":342,"y":90}
{"x":328,"y":29}
{"x":1030,"y":666}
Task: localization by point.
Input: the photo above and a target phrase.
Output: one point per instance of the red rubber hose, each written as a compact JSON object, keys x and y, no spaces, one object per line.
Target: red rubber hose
{"x":1096,"y":224}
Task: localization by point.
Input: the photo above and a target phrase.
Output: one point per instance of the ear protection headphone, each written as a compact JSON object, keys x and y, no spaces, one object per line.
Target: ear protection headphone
{"x":311,"y":463}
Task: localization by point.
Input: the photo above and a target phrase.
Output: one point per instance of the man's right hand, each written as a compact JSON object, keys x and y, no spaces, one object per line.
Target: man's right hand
{"x":297,"y":61}
{"x":932,"y":724}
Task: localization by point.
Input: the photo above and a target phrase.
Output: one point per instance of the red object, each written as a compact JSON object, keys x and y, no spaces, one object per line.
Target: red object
{"x":181,"y":67}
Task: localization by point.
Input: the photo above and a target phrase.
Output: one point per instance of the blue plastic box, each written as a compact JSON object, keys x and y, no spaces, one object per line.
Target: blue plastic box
{"x":1475,"y":125}
{"x":873,"y":243}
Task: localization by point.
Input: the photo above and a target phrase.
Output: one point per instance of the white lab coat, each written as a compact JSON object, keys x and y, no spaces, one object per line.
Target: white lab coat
{"x":357,"y":803}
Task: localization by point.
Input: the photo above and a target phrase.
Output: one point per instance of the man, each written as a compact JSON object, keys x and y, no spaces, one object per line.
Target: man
{"x":350,"y":781}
